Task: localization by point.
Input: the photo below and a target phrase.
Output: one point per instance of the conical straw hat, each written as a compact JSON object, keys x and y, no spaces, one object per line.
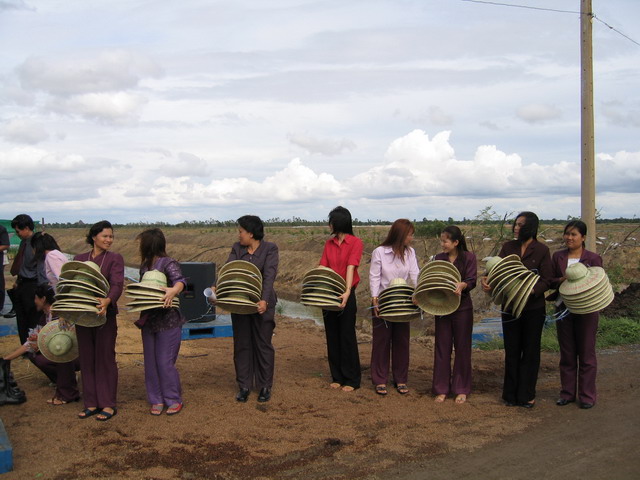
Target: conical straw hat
{"x":438,"y":301}
{"x":57,"y":345}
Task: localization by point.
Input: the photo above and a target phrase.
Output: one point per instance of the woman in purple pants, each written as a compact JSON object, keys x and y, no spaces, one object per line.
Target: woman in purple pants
{"x":161,"y":327}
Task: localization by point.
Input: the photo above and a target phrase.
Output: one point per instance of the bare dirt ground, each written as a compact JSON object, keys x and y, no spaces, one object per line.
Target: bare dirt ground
{"x":310,"y":431}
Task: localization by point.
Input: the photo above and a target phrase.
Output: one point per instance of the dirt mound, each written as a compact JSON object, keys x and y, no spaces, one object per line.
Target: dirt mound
{"x":625,"y":304}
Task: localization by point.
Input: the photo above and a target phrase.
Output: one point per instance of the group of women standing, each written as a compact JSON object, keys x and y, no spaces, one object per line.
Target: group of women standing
{"x":254,"y":354}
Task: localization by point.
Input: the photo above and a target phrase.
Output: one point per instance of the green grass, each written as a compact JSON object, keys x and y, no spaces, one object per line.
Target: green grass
{"x":611,"y":332}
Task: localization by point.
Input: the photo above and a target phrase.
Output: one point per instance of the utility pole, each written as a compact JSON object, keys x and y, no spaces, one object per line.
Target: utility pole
{"x":587,"y":170}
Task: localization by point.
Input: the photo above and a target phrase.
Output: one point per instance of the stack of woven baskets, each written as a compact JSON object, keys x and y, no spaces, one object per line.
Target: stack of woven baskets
{"x":395,"y":302}
{"x":586,"y":289}
{"x":239,"y":287}
{"x":76,"y":292}
{"x":511,"y":283}
{"x":149,"y":293}
{"x":435,"y":292}
{"x":322,"y":287}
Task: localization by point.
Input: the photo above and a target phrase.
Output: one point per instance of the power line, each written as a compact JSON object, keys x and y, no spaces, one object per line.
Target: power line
{"x":528,"y":7}
{"x":522,"y":6}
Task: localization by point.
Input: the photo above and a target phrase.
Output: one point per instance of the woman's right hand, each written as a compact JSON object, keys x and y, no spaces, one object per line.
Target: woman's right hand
{"x":485,"y":285}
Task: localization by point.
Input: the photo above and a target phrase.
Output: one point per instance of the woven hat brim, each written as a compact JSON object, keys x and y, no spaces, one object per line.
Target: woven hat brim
{"x":65,"y":286}
{"x":594,"y":276}
{"x":240,"y":265}
{"x":425,"y":300}
{"x":84,"y":319}
{"x":95,"y":277}
{"x":327,"y":273}
{"x":238,"y":308}
{"x":332,"y":307}
{"x":46,"y":332}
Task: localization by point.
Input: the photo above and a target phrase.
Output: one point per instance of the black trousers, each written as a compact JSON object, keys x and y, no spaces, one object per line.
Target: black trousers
{"x":27,"y":315}
{"x":253,"y":352}
{"x":342,"y":345}
{"x":2,"y":287}
{"x":522,"y":355}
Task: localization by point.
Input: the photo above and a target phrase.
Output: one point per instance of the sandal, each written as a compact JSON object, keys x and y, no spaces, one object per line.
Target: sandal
{"x":174,"y":409}
{"x":56,"y":401}
{"x":381,"y":390}
{"x":88,"y":412}
{"x":402,"y":389}
{"x":156,"y":409}
{"x":104,"y":416}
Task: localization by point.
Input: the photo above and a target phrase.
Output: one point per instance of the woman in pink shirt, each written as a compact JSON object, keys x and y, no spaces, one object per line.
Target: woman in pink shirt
{"x":48,"y":252}
{"x":394,"y":258}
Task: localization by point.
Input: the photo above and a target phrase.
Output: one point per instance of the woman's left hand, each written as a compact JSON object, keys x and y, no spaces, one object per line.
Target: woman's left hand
{"x":169,"y":295}
{"x":459,"y":288}
{"x":262,"y":306}
{"x":103,"y":303}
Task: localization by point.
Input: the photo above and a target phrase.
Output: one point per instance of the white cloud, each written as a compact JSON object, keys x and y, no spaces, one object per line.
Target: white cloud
{"x":106,"y":71}
{"x":23,"y":130}
{"x":106,"y":107}
{"x":323,"y":146}
{"x":538,"y":113}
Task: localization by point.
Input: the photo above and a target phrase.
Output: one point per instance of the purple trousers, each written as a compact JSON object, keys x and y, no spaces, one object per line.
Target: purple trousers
{"x":97,"y":348}
{"x":453,"y":332}
{"x":161,"y":376}
{"x":578,"y":363}
{"x":253,"y":352}
{"x":62,"y":374}
{"x":389,"y":339}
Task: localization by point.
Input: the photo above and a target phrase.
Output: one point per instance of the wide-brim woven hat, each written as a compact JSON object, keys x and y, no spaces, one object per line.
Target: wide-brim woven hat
{"x":323,"y":304}
{"x":496,"y":277}
{"x":67,"y":286}
{"x":323,"y":290}
{"x":96,"y":278}
{"x":246,"y":282}
{"x":325,"y":272}
{"x":238,"y":306}
{"x":72,"y":295}
{"x":581,"y":278}
{"x":595,"y":304}
{"x":400,"y":315}
{"x":239,"y":265}
{"x":524,"y":294}
{"x":235,"y":291}
{"x":88,"y":267}
{"x":141,"y":305}
{"x":437,"y":301}
{"x":82,"y":318}
{"x":323,"y":283}
{"x":56,"y":344}
{"x":75,"y":305}
{"x":493,"y":262}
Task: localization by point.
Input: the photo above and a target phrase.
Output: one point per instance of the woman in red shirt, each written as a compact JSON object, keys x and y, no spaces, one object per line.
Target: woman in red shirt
{"x":342,"y":253}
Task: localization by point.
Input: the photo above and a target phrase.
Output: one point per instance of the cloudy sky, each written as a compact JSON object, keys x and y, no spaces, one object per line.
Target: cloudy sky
{"x":142,"y":110}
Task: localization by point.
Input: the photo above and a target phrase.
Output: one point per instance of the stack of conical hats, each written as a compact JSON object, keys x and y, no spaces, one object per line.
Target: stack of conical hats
{"x":511,"y":283}
{"x":149,"y":292}
{"x":395,"y":302}
{"x":76,"y":292}
{"x":239,"y":287}
{"x":586,"y":290}
{"x":435,"y":292}
{"x":322,"y":287}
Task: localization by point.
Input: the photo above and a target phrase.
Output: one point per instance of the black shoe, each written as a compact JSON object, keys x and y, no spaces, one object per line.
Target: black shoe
{"x":10,"y":314}
{"x":243,"y":395}
{"x":561,"y":402}
{"x":530,"y":404}
{"x":586,"y":406}
{"x":265,"y":395}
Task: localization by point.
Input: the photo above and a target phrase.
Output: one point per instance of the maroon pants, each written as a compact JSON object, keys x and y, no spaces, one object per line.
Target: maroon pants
{"x":578,"y":363}
{"x":62,"y":374}
{"x":97,"y":347}
{"x":453,"y":331}
{"x":389,"y":339}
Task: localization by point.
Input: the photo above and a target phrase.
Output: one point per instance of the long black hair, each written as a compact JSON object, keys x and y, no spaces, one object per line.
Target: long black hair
{"x":41,"y":243}
{"x":152,"y":245}
{"x":44,"y":290}
{"x":530,"y":227}
{"x":340,"y":221}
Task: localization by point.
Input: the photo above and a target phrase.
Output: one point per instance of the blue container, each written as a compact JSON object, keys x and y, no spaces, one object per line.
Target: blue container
{"x":6,"y":451}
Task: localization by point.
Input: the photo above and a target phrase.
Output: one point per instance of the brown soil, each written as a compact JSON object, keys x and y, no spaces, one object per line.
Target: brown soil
{"x":310,"y":431}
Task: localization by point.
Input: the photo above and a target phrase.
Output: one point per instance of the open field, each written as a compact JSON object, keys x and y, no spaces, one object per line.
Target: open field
{"x":310,"y":431}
